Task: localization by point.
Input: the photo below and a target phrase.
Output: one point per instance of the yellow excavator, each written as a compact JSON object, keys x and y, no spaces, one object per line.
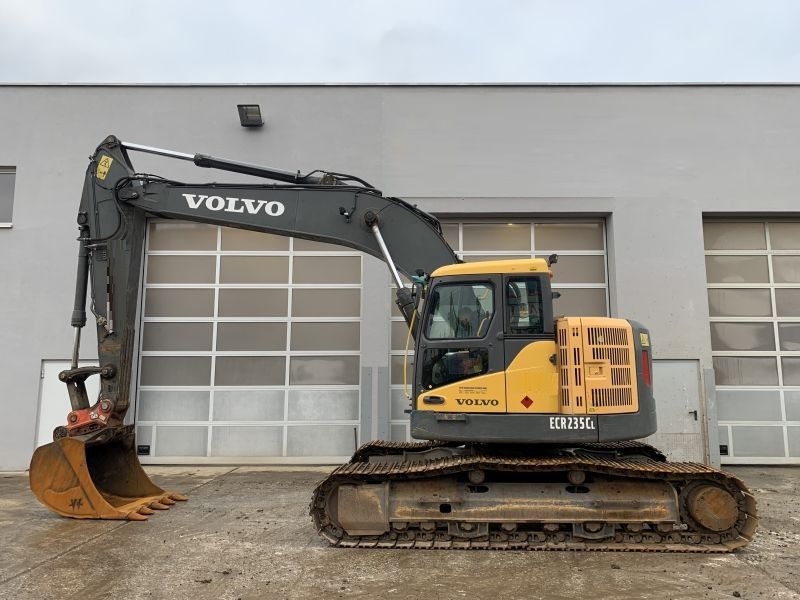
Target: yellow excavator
{"x":528,"y":420}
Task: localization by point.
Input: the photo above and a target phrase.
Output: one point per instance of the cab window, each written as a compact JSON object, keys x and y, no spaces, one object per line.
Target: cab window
{"x":524,"y":306}
{"x":441,"y":366}
{"x":460,"y":310}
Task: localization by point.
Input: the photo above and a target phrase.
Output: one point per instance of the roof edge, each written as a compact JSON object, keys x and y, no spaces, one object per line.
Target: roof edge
{"x":434,"y":85}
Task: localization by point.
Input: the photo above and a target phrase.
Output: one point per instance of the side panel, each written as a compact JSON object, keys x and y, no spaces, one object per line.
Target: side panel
{"x":572,"y":394}
{"x":483,"y":394}
{"x":506,"y":428}
{"x":532,"y":382}
{"x":638,"y":425}
{"x":598,"y":366}
{"x":610,"y":366}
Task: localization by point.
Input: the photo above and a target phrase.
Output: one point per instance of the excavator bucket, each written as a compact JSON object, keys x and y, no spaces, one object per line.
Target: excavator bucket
{"x":96,"y":481}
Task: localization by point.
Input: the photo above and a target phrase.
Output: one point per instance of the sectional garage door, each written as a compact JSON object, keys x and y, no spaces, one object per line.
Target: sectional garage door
{"x":250,"y":343}
{"x":753,"y":273}
{"x":249,"y":347}
{"x":580,"y":275}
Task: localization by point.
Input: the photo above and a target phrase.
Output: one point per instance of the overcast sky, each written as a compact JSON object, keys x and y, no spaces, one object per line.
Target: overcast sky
{"x":250,"y":41}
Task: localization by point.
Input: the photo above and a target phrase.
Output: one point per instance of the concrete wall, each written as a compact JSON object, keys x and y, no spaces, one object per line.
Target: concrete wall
{"x":652,"y":159}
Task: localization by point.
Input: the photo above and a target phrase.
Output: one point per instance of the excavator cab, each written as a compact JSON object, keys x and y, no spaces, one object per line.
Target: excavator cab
{"x":496,"y":365}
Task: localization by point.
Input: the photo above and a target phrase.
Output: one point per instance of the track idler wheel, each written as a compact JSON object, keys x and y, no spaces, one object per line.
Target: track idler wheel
{"x":711,"y":506}
{"x":103,"y":480}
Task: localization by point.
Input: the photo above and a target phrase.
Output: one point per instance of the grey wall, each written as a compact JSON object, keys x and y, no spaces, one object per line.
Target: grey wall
{"x":652,"y":159}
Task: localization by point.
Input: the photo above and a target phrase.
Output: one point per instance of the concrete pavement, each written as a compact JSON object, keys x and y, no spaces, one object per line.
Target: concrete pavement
{"x":245,"y":533}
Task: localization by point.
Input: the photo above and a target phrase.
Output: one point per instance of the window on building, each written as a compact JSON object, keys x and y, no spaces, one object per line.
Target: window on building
{"x":7,"y":176}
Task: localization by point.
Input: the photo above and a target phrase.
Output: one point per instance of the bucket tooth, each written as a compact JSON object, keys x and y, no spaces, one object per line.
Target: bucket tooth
{"x":178,"y":497}
{"x":96,"y":479}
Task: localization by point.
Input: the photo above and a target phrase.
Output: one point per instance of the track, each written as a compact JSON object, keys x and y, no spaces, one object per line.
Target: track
{"x":623,"y":461}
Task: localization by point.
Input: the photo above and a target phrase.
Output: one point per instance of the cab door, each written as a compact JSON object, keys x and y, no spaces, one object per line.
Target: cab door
{"x":531,"y":370}
{"x":460,"y":355}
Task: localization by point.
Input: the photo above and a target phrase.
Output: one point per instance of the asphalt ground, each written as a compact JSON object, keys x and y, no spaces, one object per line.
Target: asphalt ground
{"x":245,"y":533}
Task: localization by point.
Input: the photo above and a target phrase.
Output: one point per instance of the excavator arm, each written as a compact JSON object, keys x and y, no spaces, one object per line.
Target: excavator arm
{"x":117,"y":201}
{"x":115,"y":205}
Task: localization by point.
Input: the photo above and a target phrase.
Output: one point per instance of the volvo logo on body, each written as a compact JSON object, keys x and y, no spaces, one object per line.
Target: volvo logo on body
{"x":273,"y":208}
{"x":478,"y":401}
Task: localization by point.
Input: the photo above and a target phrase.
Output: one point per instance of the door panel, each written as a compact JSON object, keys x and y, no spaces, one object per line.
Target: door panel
{"x":460,"y":360}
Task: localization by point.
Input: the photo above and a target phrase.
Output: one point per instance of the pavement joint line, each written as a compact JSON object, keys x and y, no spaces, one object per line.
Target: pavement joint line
{"x":199,"y":485}
{"x":95,"y":537}
{"x":62,"y":553}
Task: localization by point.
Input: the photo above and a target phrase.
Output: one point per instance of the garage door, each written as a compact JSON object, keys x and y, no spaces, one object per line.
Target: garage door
{"x":249,"y":347}
{"x":753,"y":274}
{"x":580,"y":276}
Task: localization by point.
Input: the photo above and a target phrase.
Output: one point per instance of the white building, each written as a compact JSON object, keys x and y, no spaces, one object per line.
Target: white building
{"x":676,"y":206}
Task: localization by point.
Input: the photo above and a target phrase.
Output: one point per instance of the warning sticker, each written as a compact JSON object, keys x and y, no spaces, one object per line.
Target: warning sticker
{"x":644,"y":339}
{"x":103,"y":166}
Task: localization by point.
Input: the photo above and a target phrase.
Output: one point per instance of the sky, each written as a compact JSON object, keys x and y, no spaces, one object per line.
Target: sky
{"x":399,"y":41}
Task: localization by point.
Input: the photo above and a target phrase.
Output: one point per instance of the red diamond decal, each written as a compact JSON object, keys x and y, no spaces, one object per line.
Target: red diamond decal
{"x":526,"y":402}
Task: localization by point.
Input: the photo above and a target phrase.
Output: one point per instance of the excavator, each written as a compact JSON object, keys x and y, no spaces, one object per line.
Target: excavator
{"x":528,"y":421}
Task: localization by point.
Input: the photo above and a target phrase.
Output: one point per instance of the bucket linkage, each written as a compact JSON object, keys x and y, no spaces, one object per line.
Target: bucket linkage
{"x":91,"y":470}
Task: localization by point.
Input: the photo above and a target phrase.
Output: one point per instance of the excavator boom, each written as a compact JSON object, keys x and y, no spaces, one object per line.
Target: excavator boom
{"x":91,"y":469}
